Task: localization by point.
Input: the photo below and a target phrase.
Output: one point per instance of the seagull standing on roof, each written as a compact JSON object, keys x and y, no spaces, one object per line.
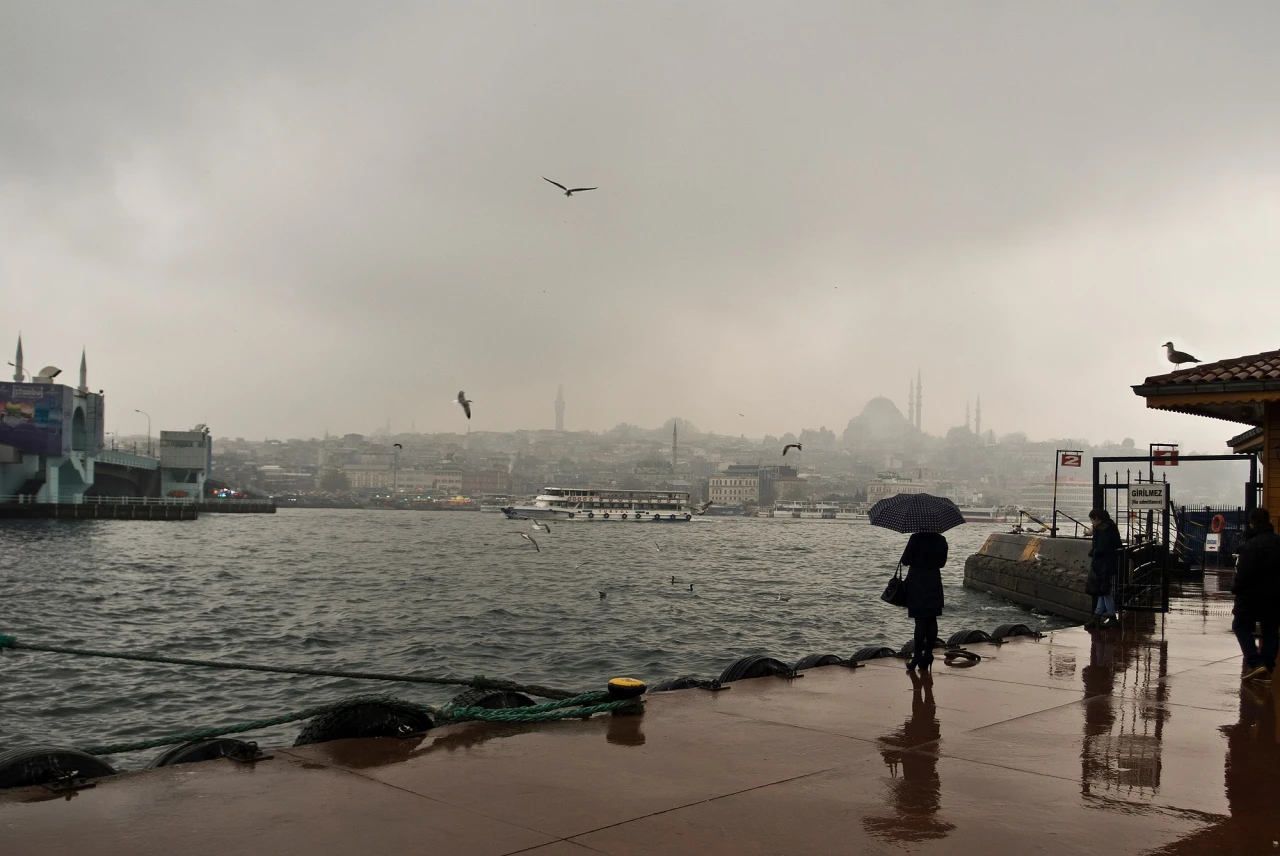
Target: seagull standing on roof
{"x":1177,"y":357}
{"x":569,"y":191}
{"x":465,"y":402}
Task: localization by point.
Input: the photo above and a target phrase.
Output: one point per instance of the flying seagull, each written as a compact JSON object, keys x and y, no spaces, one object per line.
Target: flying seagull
{"x":529,"y":538}
{"x":465,"y":402}
{"x":569,"y":191}
{"x":603,"y":595}
{"x":796,"y":446}
{"x":541,"y":527}
{"x":703,"y":506}
{"x":580,"y":564}
{"x":1177,"y":357}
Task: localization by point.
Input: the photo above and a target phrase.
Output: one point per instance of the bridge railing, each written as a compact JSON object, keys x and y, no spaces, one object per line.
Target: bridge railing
{"x":30,"y":499}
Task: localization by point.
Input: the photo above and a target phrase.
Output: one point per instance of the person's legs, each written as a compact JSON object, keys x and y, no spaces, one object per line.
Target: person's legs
{"x":1107,"y":605}
{"x":1270,"y":642}
{"x":1242,"y":626}
{"x":926,"y":632}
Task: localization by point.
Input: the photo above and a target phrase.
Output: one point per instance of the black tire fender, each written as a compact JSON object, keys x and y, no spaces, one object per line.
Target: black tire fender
{"x":202,"y":750}
{"x":373,"y":719}
{"x":491,"y":699}
{"x":37,"y":765}
{"x":758,"y":666}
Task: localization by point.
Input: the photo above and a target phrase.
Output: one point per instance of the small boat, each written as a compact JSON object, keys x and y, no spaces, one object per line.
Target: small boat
{"x":592,"y":504}
{"x":803,"y":510}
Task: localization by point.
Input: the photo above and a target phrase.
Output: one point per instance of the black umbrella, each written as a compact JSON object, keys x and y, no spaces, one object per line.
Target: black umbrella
{"x":916,"y":512}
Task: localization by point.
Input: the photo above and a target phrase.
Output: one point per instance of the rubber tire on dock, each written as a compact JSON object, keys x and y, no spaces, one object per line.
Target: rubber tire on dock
{"x":872,"y":652}
{"x":36,"y":765}
{"x":364,"y":720}
{"x":967,"y":637}
{"x":758,"y":666}
{"x":491,"y":699}
{"x":814,"y":661}
{"x":1006,"y":630}
{"x":202,"y":750}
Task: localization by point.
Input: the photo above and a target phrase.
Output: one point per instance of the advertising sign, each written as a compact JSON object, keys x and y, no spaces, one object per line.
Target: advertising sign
{"x":1149,"y":495}
{"x":1071,"y":459}
{"x":1212,"y":542}
{"x":36,"y":418}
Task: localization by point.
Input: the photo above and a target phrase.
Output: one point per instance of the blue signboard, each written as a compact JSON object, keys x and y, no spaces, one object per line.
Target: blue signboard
{"x":36,"y":418}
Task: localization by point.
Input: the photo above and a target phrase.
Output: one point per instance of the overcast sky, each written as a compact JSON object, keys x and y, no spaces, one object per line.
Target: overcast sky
{"x":330,"y":214}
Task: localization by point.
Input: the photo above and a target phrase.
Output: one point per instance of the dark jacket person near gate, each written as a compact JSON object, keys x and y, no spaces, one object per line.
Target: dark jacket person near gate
{"x":1257,"y":591}
{"x":924,"y":557}
{"x":1106,"y":560}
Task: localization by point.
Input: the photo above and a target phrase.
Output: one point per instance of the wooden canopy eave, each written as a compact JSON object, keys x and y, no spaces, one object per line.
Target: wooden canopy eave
{"x":1229,"y":402}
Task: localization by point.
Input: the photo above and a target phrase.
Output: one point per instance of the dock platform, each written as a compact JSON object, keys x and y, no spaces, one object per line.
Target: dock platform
{"x":1140,"y":739}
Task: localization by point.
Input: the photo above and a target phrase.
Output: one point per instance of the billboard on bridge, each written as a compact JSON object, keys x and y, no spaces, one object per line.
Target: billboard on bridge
{"x":36,"y":418}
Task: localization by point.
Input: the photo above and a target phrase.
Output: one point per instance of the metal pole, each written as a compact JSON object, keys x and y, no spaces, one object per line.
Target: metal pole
{"x":148,"y":415}
{"x":395,"y":474}
{"x":1053,"y":528}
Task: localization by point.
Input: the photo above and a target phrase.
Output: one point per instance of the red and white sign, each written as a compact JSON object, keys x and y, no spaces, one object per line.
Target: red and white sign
{"x":1071,"y":459}
{"x":1165,"y":457}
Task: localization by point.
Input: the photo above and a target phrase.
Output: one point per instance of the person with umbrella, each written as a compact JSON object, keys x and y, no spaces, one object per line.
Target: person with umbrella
{"x":925,"y":517}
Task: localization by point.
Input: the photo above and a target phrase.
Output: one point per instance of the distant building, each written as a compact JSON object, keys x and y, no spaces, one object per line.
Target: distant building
{"x":485,"y":482}
{"x":368,"y":476}
{"x":886,"y":485}
{"x":738,"y":485}
{"x":448,"y":479}
{"x":1074,"y":498}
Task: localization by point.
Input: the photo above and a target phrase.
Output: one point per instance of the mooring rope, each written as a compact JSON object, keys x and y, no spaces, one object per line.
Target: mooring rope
{"x":479,"y":682}
{"x":575,"y":707}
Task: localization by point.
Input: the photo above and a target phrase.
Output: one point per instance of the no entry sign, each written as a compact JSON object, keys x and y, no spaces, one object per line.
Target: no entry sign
{"x":1153,"y":496}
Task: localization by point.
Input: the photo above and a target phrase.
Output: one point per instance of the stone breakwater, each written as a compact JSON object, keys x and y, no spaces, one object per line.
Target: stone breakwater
{"x":1042,"y":573}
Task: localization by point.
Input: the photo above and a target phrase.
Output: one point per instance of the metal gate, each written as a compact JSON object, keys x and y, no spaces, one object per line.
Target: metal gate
{"x":1145,"y":567}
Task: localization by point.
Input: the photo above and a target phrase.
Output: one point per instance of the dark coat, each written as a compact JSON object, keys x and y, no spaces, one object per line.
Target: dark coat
{"x":1106,"y":555}
{"x":924,"y":557}
{"x":1257,"y":582}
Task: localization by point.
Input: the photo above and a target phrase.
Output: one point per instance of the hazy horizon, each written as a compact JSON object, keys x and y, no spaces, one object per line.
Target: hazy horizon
{"x":283,"y":220}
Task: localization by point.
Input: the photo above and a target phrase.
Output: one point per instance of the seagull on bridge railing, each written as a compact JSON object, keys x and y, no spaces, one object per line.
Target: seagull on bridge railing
{"x":1178,"y":357}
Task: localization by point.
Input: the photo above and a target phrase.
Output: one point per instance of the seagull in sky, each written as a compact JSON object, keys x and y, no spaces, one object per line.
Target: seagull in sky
{"x":529,"y":538}
{"x":1177,"y":357}
{"x":465,"y":402}
{"x":569,"y":191}
{"x":796,"y":446}
{"x":703,"y":506}
{"x":541,"y":527}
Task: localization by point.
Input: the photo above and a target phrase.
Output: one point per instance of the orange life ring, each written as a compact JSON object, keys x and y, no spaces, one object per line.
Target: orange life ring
{"x":1217,"y":523}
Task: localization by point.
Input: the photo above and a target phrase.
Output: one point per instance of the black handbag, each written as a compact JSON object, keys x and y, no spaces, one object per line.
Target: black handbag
{"x":1092,"y":584}
{"x":895,"y":593}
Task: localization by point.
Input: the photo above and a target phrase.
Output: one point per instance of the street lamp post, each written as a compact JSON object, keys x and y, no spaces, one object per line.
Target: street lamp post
{"x":148,"y":415}
{"x":395,"y":475}
{"x":24,"y":371}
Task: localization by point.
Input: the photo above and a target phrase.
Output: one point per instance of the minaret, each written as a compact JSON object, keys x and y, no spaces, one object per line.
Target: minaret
{"x":966,"y":414}
{"x":84,"y":373}
{"x":560,"y":408}
{"x":673,"y":447}
{"x":17,"y":362}
{"x":919,"y":400}
{"x":977,"y":418}
{"x":911,"y":403}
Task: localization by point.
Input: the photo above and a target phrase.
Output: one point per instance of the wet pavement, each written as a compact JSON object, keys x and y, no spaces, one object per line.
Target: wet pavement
{"x":1140,"y":739}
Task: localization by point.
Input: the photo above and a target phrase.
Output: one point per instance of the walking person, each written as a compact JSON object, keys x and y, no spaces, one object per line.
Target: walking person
{"x":1106,"y":559}
{"x":1257,"y":591}
{"x":924,"y":557}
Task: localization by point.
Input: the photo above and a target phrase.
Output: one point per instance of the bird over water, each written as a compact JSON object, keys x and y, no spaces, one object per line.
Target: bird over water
{"x":567,"y":190}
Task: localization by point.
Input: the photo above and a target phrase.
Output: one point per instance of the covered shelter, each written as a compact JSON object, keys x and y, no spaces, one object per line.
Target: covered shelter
{"x":1244,"y":390}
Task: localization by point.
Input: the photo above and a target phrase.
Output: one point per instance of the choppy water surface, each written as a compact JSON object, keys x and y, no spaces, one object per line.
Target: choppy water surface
{"x":427,"y":593}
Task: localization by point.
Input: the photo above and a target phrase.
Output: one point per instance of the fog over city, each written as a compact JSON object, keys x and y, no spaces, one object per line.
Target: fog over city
{"x":319,"y":216}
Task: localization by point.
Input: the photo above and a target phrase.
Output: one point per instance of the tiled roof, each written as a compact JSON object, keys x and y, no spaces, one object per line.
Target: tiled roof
{"x":1252,"y":369}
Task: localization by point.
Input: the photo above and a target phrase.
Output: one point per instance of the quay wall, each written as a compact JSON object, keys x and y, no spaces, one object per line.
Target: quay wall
{"x":1036,"y":571}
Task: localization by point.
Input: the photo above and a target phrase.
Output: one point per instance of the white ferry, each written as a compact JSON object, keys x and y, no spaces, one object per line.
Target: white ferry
{"x":993,"y":514}
{"x":604,"y":504}
{"x":804,"y":510}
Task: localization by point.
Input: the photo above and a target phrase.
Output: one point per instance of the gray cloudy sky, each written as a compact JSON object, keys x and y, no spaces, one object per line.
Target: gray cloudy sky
{"x":326,"y":214}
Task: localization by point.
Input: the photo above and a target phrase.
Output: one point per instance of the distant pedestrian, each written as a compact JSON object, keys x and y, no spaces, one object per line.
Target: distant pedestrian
{"x":1106,"y":560}
{"x":924,"y":557}
{"x":1257,"y":591}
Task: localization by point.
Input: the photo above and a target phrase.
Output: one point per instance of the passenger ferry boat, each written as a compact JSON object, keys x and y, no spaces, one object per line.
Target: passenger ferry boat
{"x":993,"y":514}
{"x":804,"y":510}
{"x":666,"y":506}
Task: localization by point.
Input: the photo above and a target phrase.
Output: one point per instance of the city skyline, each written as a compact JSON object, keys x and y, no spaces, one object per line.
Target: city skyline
{"x":303,"y":218}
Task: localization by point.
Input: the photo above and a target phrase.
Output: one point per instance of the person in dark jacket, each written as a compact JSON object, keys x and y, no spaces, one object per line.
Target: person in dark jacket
{"x":924,"y":557}
{"x":1106,"y":559}
{"x":1257,"y":591}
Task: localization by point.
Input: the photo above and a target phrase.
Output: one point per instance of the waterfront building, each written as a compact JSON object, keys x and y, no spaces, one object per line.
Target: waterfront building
{"x":186,"y":457}
{"x":1075,"y":497}
{"x":50,"y":435}
{"x":885,"y":485}
{"x":739,"y":484}
{"x":368,"y":476}
{"x":485,"y":482}
{"x":448,"y":479}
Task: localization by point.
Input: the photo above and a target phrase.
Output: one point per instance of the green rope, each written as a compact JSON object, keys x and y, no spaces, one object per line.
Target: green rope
{"x":576,"y":707}
{"x":479,"y":681}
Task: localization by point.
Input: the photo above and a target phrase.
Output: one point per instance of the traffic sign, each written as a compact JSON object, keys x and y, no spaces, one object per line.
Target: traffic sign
{"x":1212,"y":542}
